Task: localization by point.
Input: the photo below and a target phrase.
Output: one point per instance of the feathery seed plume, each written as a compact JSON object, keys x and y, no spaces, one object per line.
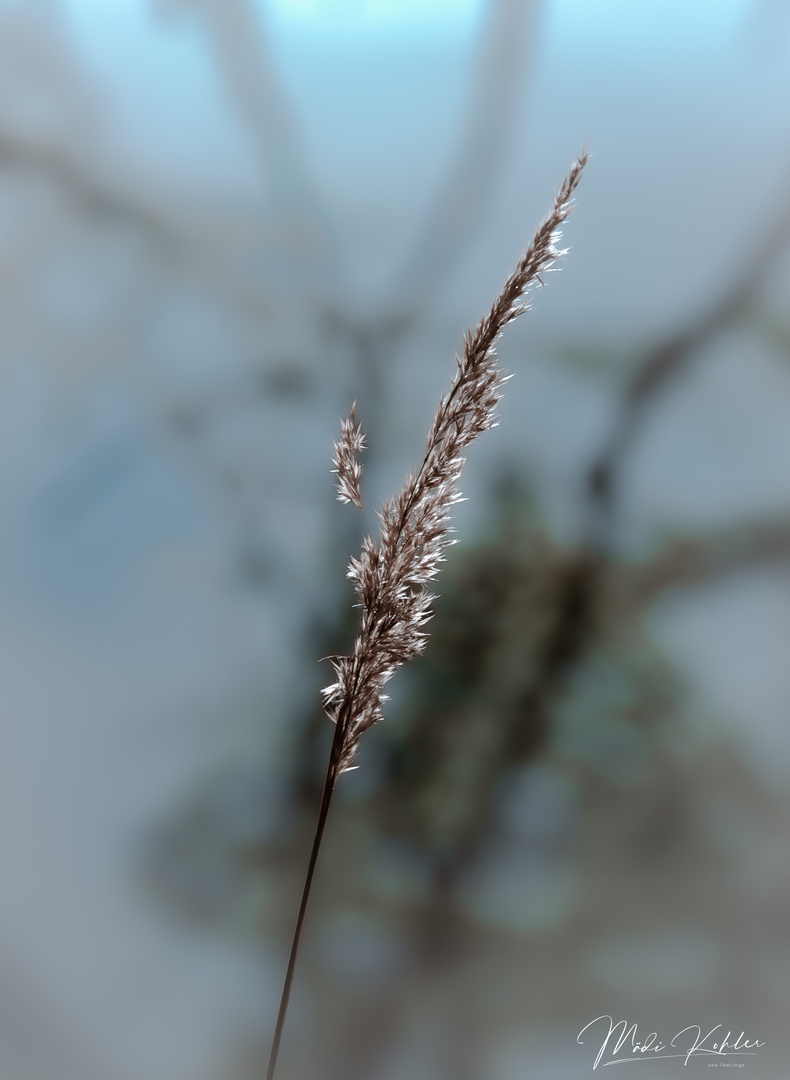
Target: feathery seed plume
{"x":344,"y":462}
{"x":391,"y":577}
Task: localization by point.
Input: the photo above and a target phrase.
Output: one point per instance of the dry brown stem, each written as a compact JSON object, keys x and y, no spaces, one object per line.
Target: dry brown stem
{"x":391,"y":577}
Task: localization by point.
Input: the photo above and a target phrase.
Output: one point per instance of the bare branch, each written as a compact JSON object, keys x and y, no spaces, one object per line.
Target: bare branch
{"x":193,"y":247}
{"x":659,"y":367}
{"x":237,"y":36}
{"x":500,"y":71}
{"x":694,"y":561}
{"x":95,"y":198}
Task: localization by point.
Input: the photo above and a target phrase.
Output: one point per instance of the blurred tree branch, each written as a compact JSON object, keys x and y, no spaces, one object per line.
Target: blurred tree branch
{"x":96,"y":199}
{"x":203,"y":249}
{"x":699,"y":560}
{"x":237,"y":36}
{"x":505,"y":45}
{"x":667,"y":360}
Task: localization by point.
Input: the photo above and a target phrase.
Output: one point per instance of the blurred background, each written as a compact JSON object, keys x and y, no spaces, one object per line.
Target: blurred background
{"x":221,"y":221}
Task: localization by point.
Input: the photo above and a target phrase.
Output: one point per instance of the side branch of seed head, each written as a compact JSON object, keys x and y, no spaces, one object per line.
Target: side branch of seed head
{"x":345,"y":464}
{"x":391,"y":577}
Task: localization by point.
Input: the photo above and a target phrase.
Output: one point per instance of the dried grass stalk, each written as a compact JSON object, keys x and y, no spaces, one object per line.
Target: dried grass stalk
{"x":391,"y":577}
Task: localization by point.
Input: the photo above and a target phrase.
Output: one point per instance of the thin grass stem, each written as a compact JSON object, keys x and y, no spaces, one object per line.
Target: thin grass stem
{"x":391,"y":577}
